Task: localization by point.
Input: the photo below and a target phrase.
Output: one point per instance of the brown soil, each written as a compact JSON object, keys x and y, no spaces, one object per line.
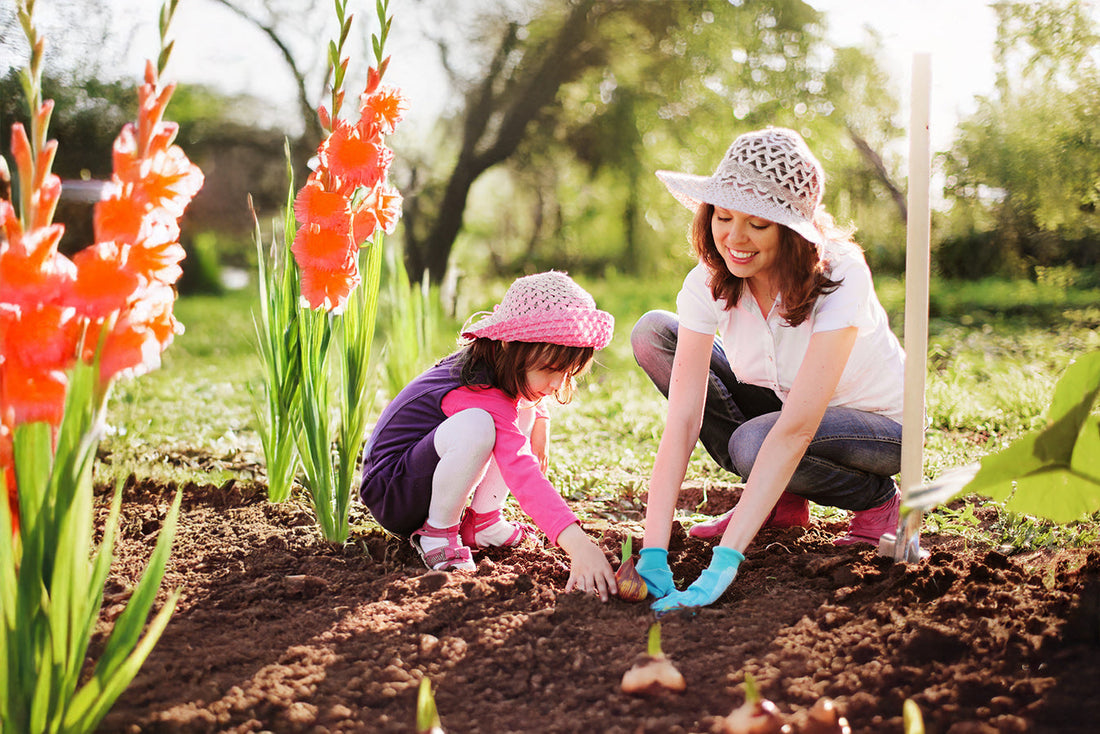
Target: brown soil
{"x":280,"y":631}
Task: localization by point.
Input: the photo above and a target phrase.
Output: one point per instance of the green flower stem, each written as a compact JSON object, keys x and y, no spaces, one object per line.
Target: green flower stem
{"x":276,"y":403}
{"x":51,"y":584}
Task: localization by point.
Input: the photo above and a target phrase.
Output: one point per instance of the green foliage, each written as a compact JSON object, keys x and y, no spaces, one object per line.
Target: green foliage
{"x":411,"y":324}
{"x":1053,"y":472}
{"x":1022,"y":172}
{"x":277,"y":397}
{"x":669,"y":86}
{"x":52,"y":577}
{"x":427,"y":715}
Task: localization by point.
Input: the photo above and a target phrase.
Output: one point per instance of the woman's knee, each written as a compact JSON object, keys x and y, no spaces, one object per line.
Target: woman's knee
{"x":745,"y":443}
{"x":653,"y":330}
{"x":653,"y":340}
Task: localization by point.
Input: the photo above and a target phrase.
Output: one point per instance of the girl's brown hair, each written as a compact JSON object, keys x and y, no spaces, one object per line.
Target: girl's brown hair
{"x":504,"y":365}
{"x":801,"y":274}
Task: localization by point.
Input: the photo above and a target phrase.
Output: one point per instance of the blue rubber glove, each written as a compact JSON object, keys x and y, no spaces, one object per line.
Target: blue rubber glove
{"x":709,"y":586}
{"x":653,"y":568}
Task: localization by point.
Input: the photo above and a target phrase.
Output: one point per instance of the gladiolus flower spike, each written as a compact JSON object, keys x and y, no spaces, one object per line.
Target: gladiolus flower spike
{"x":336,"y":219}
{"x":347,"y":201}
{"x":68,"y":328}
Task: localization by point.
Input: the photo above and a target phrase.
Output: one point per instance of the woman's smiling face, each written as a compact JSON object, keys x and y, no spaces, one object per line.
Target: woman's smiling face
{"x":749,"y":245}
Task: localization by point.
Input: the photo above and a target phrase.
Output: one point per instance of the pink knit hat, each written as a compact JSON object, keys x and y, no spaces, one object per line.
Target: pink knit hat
{"x":545,"y":307}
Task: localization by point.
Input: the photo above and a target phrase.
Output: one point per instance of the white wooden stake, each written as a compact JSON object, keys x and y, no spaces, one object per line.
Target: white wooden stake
{"x":917,"y":266}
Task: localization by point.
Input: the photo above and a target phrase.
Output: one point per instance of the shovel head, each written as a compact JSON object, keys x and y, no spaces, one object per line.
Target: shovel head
{"x":904,"y":545}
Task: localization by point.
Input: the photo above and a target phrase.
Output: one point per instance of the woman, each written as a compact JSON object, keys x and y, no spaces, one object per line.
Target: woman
{"x":801,"y":392}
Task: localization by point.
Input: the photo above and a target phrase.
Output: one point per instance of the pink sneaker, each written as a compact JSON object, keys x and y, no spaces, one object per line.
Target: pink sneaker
{"x":791,"y":511}
{"x":867,"y":526}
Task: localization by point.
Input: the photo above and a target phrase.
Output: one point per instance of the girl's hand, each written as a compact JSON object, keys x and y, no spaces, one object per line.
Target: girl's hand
{"x":589,"y":570}
{"x":540,"y":442}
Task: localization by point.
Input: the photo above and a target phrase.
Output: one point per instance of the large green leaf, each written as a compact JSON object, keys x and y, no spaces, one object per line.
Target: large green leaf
{"x":1053,"y":472}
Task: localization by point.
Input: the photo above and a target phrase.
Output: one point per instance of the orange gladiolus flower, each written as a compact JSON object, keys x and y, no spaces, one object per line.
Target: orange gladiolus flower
{"x":104,"y":282}
{"x":364,"y":222}
{"x":315,"y":248}
{"x":387,"y":207}
{"x":118,"y":217}
{"x":353,"y":159}
{"x":326,"y":209}
{"x":42,"y":336}
{"x":33,"y":394}
{"x":157,"y":263}
{"x":138,"y":337}
{"x":32,"y":270}
{"x":346,"y":201}
{"x":161,"y":177}
{"x":385,"y":107}
{"x":329,"y":289}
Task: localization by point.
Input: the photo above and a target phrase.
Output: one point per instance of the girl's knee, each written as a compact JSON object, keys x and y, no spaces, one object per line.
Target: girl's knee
{"x":470,"y":431}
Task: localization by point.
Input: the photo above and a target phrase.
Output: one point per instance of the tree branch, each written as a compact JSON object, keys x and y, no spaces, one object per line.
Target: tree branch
{"x":874,"y":160}
{"x":313,"y":132}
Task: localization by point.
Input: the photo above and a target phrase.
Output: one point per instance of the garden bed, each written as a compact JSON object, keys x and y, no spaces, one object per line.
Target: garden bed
{"x":280,"y":631}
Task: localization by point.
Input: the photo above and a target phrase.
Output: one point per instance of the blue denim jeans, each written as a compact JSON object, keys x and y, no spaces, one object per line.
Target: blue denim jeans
{"x":850,"y":462}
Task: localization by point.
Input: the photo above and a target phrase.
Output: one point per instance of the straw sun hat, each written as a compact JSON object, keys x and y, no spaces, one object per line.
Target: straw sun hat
{"x":546,"y":307}
{"x":768,"y":173}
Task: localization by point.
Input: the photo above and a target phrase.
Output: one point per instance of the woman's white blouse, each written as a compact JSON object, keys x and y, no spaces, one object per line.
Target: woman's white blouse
{"x":765,"y":351}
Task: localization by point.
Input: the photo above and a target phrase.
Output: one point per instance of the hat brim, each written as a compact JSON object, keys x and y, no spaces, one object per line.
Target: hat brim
{"x":692,"y":190}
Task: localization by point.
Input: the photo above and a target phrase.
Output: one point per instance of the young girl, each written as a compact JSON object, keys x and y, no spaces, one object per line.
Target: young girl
{"x":801,"y":390}
{"x":475,"y":427}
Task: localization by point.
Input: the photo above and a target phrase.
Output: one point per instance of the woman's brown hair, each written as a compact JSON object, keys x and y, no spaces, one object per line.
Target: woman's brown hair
{"x":801,"y":274}
{"x":504,"y":365}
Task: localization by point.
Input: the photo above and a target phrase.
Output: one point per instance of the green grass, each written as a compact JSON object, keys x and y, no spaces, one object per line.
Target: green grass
{"x":995,"y":351}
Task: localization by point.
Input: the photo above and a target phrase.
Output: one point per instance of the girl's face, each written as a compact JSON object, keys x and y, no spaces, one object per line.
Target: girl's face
{"x":545,"y":381}
{"x":749,"y":245}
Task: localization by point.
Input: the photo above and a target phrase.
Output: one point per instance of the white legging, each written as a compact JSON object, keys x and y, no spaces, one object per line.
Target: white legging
{"x":465,"y":444}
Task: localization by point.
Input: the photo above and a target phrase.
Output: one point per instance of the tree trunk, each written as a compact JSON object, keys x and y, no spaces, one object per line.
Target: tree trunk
{"x":497,"y":116}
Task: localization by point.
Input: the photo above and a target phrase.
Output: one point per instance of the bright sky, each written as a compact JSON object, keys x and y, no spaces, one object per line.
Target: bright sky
{"x":213,"y":46}
{"x":959,"y":34}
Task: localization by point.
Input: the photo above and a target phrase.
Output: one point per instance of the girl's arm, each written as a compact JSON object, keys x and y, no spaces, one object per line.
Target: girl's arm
{"x":686,"y":395}
{"x":540,"y":441}
{"x":786,"y":443}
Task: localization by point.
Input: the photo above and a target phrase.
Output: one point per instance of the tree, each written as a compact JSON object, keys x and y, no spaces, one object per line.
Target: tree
{"x":595,"y":95}
{"x":1024,"y":166}
{"x":268,"y":17}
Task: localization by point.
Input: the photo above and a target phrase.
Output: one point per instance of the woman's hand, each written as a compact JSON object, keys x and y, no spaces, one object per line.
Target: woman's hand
{"x":710,"y":585}
{"x":589,"y":570}
{"x":653,"y":568}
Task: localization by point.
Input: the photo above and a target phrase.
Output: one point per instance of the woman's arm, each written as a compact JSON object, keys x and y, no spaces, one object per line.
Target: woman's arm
{"x":786,"y":443}
{"x":686,"y":395}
